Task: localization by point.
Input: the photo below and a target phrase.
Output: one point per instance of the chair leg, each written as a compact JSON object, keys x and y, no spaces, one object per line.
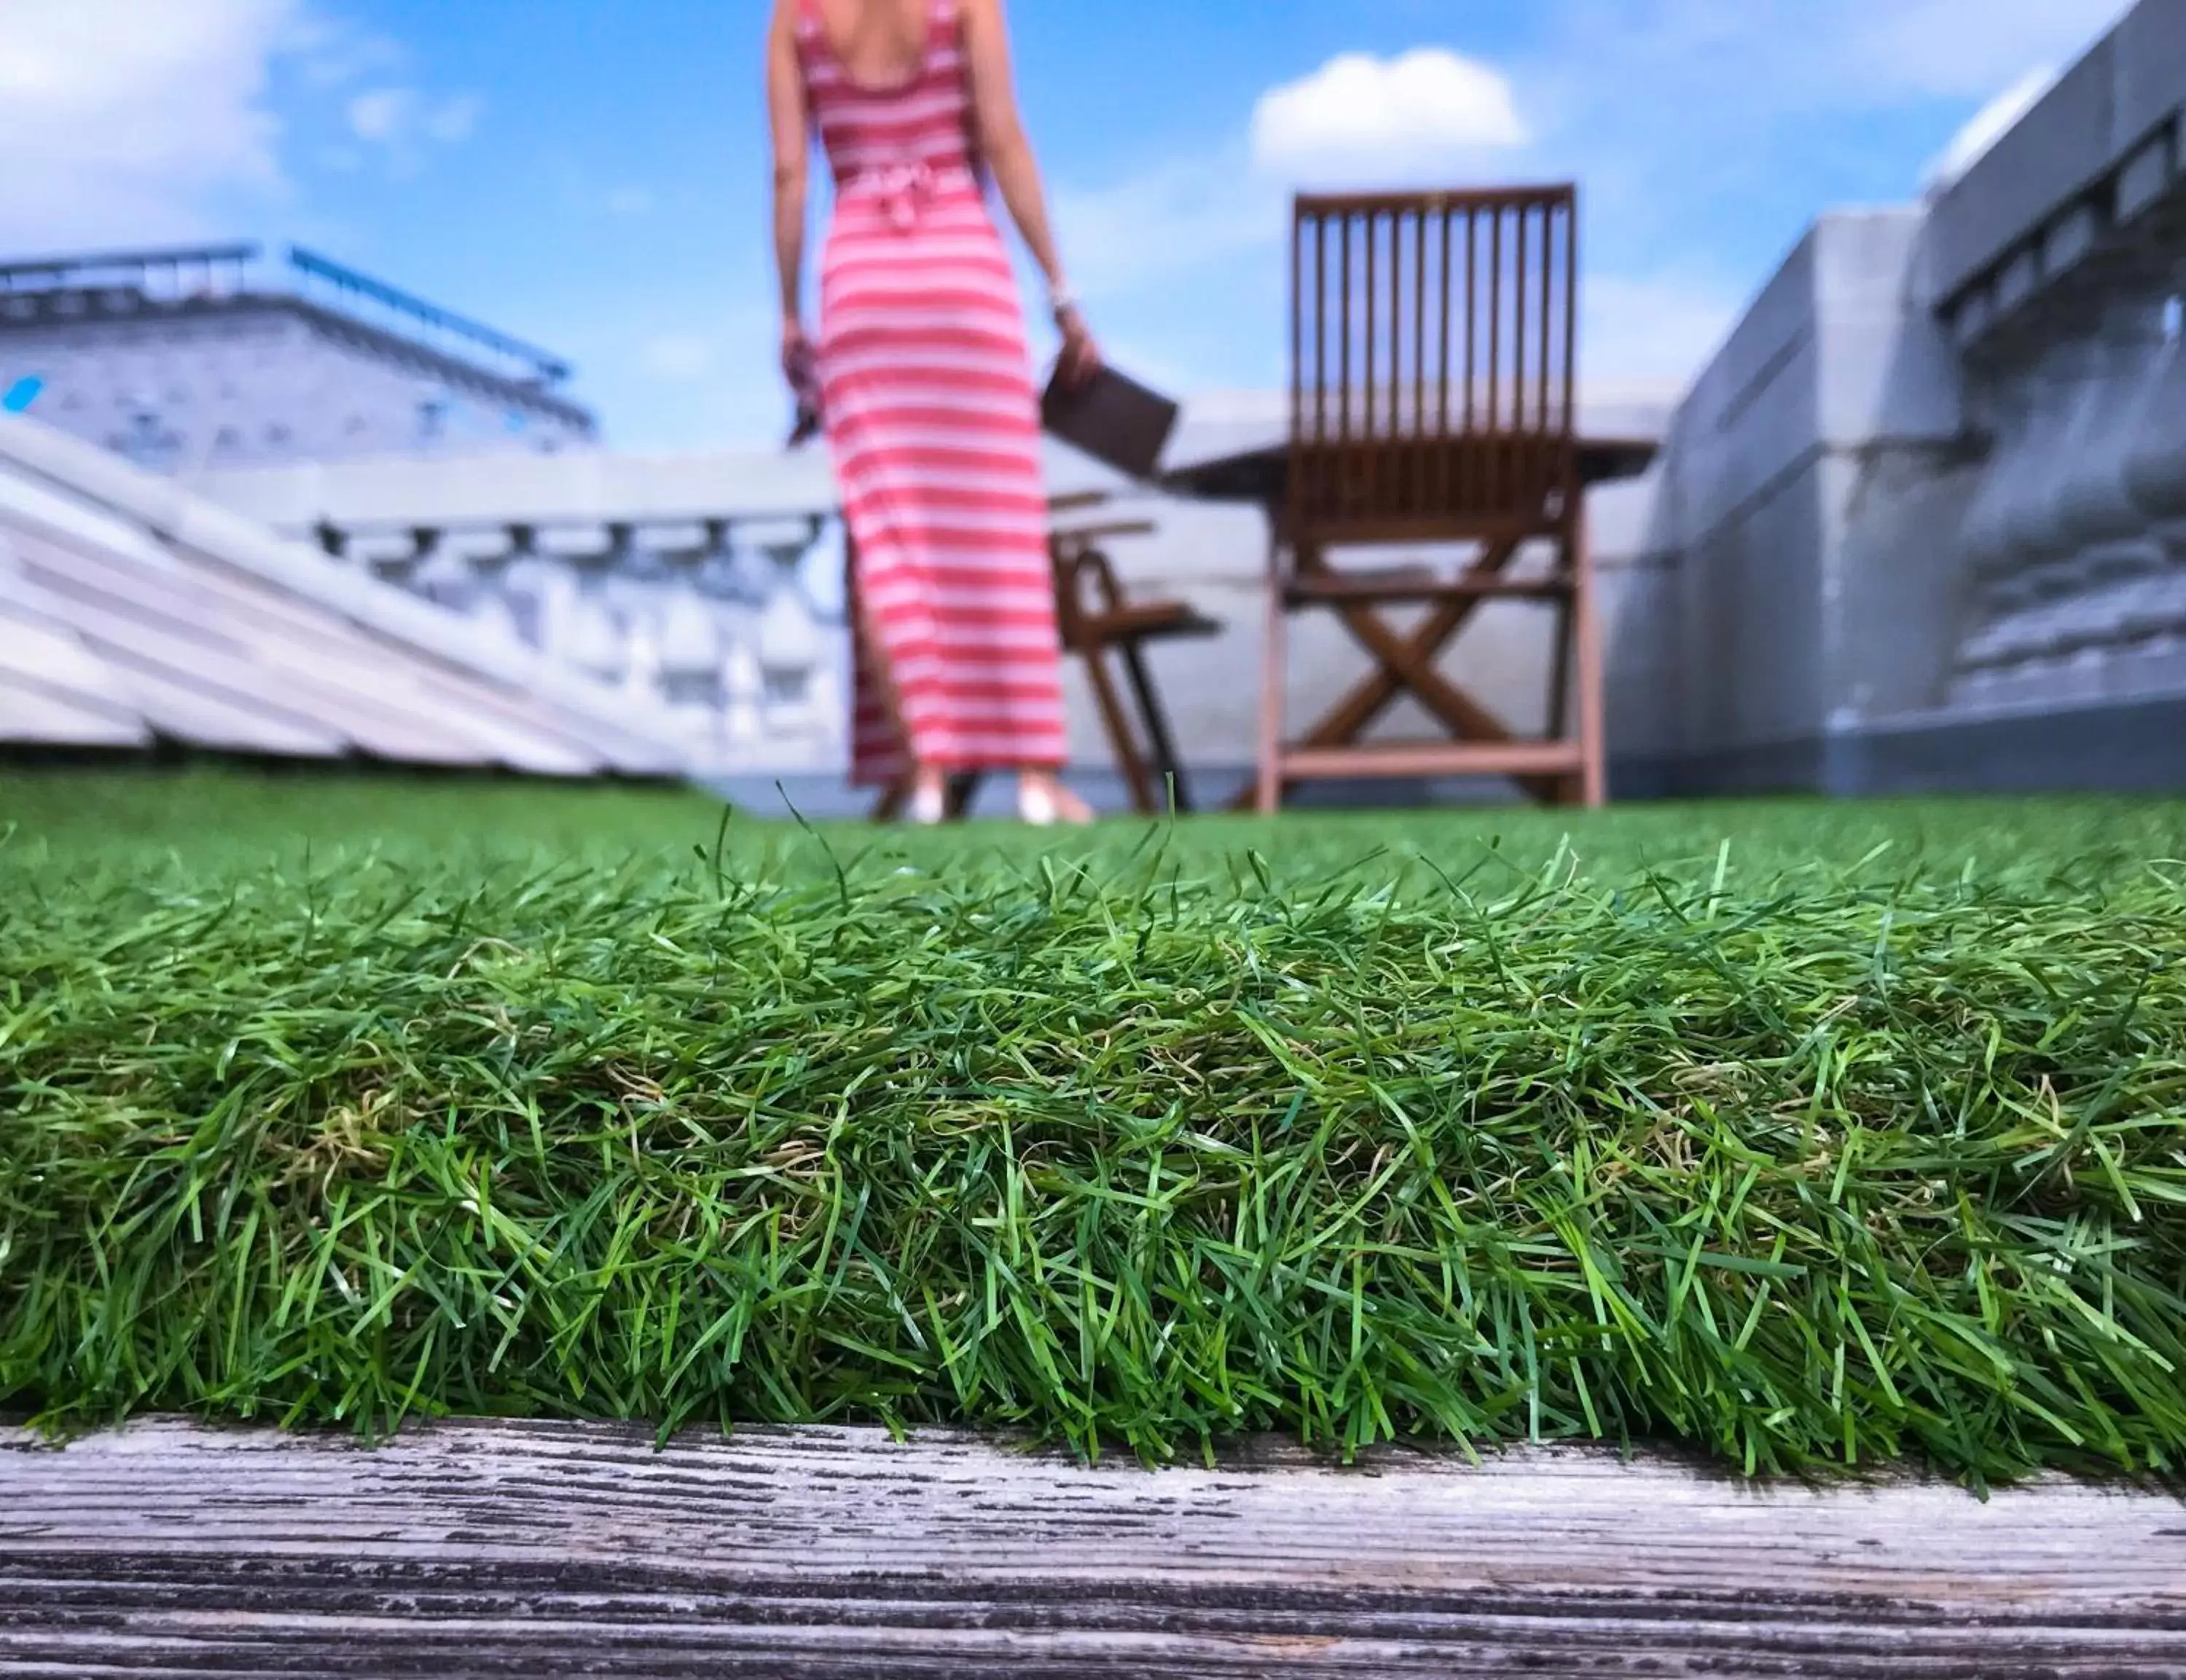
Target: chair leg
{"x":1566,"y":790}
{"x":1166,"y":763}
{"x":1560,"y":667}
{"x":1269,"y":794}
{"x":1118,"y":724}
{"x":1594,"y":748}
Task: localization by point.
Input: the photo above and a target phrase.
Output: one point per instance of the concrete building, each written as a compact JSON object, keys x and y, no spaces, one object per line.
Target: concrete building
{"x":225,"y":357}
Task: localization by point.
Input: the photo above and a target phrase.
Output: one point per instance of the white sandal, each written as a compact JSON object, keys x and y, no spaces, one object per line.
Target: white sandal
{"x":1036,"y":806}
{"x":930,"y":806}
{"x":1040,"y":807}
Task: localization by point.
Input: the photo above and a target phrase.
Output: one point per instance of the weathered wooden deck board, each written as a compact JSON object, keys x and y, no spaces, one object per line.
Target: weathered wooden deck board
{"x":533,"y":1550}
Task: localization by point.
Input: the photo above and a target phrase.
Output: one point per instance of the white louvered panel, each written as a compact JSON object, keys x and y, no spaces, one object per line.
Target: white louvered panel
{"x":206,"y":718}
{"x":624,"y":753}
{"x":500,"y":727}
{"x":39,"y":648}
{"x":37,"y":716}
{"x":521,"y":745}
{"x":195,"y":627}
{"x":517,"y":730}
{"x":643,"y":756}
{"x":524,"y":732}
{"x":116,"y":583}
{"x":447,"y":716}
{"x":274,"y":607}
{"x":28,"y":507}
{"x":323,"y":669}
{"x":164,"y":636}
{"x":222,"y":674}
{"x":627,"y":754}
{"x":561,"y":736}
{"x":226,"y":639}
{"x":173,"y":641}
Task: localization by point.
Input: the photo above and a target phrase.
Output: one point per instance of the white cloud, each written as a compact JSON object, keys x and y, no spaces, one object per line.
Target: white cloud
{"x":1146,"y":248}
{"x":1703,"y":134}
{"x":1357,"y":118}
{"x":1985,"y":127}
{"x":1388,"y":117}
{"x":134,"y":120}
{"x":451,"y":120}
{"x":334,"y":52}
{"x":380,"y":115}
{"x":404,"y":122}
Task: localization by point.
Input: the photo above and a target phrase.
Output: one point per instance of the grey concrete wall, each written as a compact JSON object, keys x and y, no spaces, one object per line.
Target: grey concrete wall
{"x":1737,"y":547}
{"x":1897,"y":596}
{"x":1644,"y":631}
{"x":1896,"y":467}
{"x":1803,"y":580}
{"x":2053,"y":155}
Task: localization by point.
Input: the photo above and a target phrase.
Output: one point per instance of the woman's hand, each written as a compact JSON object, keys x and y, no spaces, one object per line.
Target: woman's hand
{"x":800,"y":369}
{"x":797,"y":360}
{"x":1081,"y":356}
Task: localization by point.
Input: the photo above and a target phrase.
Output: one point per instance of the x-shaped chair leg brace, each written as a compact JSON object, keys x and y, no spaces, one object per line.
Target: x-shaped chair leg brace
{"x":1408,"y":663}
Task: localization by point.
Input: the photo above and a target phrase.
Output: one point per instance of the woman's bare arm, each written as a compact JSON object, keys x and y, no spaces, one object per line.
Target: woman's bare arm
{"x":1002,"y":136}
{"x":786,"y":111}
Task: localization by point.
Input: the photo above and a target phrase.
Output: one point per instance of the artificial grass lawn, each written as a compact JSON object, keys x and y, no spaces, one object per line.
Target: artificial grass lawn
{"x":1806,"y":1135}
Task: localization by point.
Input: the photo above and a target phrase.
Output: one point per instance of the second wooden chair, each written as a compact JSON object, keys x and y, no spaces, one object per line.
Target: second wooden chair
{"x":1109,"y":634}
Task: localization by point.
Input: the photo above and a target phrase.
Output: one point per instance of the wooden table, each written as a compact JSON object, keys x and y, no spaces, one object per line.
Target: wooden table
{"x":1260,"y":474}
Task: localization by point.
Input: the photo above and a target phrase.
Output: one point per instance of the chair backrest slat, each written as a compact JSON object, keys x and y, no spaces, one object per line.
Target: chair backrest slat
{"x":1433,"y":372}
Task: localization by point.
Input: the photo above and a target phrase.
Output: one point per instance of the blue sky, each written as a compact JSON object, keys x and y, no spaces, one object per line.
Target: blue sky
{"x":591,"y":173}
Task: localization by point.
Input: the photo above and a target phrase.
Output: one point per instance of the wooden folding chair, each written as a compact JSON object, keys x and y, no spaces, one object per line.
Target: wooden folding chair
{"x":1096,"y":620}
{"x":1433,"y":390}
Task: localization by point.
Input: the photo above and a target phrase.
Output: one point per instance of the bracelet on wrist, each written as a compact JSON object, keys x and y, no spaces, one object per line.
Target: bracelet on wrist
{"x":1061,"y":300}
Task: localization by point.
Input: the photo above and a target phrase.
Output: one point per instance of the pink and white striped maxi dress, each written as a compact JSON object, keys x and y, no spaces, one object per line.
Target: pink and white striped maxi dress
{"x":927,"y":399}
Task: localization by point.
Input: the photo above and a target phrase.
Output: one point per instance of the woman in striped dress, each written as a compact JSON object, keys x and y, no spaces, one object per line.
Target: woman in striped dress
{"x":921,"y":377}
